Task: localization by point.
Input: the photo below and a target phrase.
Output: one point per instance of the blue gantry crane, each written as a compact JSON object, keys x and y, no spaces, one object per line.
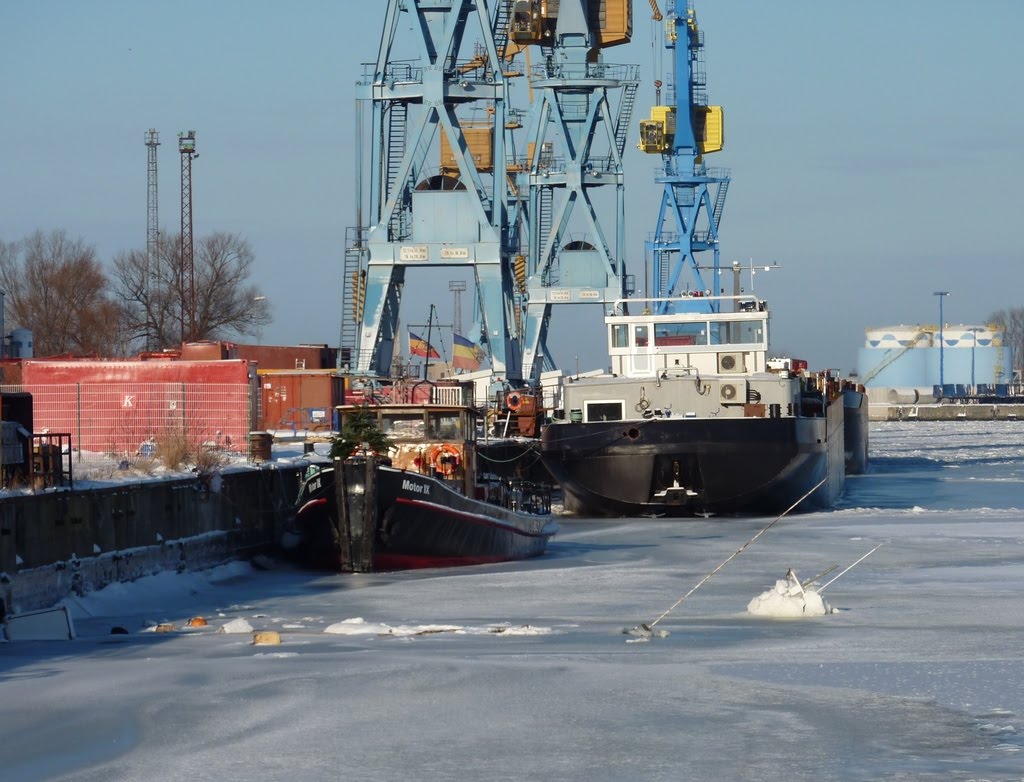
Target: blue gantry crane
{"x":449,"y":174}
{"x":572,"y":181}
{"x":431,"y":181}
{"x":683,"y":130}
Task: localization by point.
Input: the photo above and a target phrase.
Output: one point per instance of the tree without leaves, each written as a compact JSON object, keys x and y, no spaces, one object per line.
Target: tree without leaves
{"x":1012,"y":321}
{"x":57,"y":288}
{"x":226,"y":305}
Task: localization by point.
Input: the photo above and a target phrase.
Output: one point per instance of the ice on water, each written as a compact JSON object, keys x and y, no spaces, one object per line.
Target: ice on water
{"x":522,"y":671}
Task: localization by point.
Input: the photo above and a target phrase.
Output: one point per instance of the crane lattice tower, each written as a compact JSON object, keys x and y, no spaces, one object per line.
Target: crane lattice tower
{"x":187,"y":286}
{"x":571,"y":207}
{"x":447,"y":187}
{"x":431,"y":200}
{"x":683,"y":131}
{"x":152,"y":227}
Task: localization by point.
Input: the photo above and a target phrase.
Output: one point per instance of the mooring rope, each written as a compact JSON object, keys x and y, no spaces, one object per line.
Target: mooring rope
{"x":846,"y":570}
{"x":516,"y":458}
{"x":735,"y":554}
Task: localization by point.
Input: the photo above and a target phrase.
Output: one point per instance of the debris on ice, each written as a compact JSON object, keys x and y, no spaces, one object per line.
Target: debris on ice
{"x":789,"y":599}
{"x":238,"y":625}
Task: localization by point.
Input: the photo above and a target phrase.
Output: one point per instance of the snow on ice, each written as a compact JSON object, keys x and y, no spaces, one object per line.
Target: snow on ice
{"x":915,"y":676}
{"x":788,"y":599}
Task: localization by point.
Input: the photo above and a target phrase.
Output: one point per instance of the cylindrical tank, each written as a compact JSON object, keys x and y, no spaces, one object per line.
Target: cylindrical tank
{"x":908,"y":357}
{"x":21,"y":343}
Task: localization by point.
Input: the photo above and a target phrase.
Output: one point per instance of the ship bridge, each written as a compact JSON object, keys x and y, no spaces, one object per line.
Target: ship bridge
{"x":657,"y":343}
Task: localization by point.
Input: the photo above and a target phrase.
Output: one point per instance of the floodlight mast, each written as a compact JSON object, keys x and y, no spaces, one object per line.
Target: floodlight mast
{"x":152,"y":233}
{"x":187,"y":286}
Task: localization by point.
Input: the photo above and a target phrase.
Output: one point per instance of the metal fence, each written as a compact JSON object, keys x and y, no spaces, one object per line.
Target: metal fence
{"x":130,"y":419}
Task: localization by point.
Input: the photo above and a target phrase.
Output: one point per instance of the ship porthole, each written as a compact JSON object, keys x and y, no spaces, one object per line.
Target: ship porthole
{"x":633,"y":433}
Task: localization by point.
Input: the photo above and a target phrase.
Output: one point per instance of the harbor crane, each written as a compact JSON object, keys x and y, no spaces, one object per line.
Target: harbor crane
{"x":430,"y":179}
{"x":449,"y":175}
{"x":573,"y":213}
{"x":683,"y":130}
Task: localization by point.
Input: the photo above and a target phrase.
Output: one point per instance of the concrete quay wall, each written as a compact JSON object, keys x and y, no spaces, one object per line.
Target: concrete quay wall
{"x":62,"y":543}
{"x":946,"y":412}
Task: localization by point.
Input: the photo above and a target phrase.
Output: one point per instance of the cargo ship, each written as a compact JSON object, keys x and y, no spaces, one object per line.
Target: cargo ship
{"x":694,"y":418}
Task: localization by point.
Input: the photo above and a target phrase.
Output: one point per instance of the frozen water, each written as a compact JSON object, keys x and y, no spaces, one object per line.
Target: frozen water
{"x":917,"y":676}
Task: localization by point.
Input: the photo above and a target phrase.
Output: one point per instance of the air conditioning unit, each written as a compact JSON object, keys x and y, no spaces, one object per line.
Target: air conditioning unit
{"x":732,"y":392}
{"x":731,"y":363}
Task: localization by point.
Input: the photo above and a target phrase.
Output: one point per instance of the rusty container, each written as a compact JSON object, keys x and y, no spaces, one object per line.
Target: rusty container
{"x":299,"y":399}
{"x":260,"y":446}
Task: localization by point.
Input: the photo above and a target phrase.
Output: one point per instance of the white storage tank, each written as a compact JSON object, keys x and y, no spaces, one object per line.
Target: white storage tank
{"x":21,"y":343}
{"x":897,"y":361}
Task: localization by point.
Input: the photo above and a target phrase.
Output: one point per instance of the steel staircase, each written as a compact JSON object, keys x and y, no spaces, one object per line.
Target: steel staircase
{"x":719,"y":206}
{"x":501,"y":21}
{"x":873,"y":373}
{"x":351,"y":316}
{"x":625,"y":116}
{"x":397,"y":121}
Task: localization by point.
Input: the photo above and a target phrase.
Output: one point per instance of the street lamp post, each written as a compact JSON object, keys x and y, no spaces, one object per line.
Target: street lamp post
{"x":974,"y":343}
{"x":942,"y":376}
{"x":259,"y":330}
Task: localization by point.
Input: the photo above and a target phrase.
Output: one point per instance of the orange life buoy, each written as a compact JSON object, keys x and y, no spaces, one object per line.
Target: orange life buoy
{"x":513,"y":401}
{"x":445,"y":459}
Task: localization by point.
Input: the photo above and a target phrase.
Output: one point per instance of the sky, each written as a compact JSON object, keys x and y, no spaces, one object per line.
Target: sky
{"x":875,"y":151}
{"x":523,"y":670}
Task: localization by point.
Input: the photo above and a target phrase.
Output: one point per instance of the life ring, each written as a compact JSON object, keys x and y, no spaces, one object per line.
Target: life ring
{"x":513,"y":401}
{"x":445,"y":459}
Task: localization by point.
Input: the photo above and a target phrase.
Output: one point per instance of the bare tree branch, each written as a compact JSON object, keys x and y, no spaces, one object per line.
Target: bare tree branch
{"x":226,"y":306}
{"x":57,"y":288}
{"x":1012,"y":321}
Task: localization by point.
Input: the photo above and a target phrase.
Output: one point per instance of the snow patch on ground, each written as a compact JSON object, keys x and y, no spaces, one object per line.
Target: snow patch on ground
{"x":359,"y":626}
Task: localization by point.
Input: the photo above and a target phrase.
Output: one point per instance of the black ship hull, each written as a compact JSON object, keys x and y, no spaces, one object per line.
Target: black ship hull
{"x":420,"y":522}
{"x":691,"y":466}
{"x":855,"y":431}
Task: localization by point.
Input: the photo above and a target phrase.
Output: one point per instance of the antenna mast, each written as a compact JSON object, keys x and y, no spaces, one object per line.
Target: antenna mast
{"x":187,"y":148}
{"x":457,"y":287}
{"x":152,"y":230}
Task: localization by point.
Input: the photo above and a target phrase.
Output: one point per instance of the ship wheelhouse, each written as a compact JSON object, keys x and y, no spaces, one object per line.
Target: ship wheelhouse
{"x":704,"y":343}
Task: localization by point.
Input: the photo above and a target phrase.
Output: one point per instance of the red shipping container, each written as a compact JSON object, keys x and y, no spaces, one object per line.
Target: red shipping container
{"x":124,"y":407}
{"x":289,"y":357}
{"x":299,"y":400}
{"x":38,"y":371}
{"x":208,"y":351}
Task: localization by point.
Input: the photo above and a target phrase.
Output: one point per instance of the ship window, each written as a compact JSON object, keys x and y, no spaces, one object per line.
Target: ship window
{"x":603,"y":411}
{"x":404,"y":427}
{"x":620,"y":336}
{"x":673,"y":334}
{"x":737,"y":332}
{"x":640,"y":336}
{"x":446,"y":426}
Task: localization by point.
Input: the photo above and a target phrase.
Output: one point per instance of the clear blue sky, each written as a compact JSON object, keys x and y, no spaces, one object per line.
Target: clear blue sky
{"x":876,"y":149}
